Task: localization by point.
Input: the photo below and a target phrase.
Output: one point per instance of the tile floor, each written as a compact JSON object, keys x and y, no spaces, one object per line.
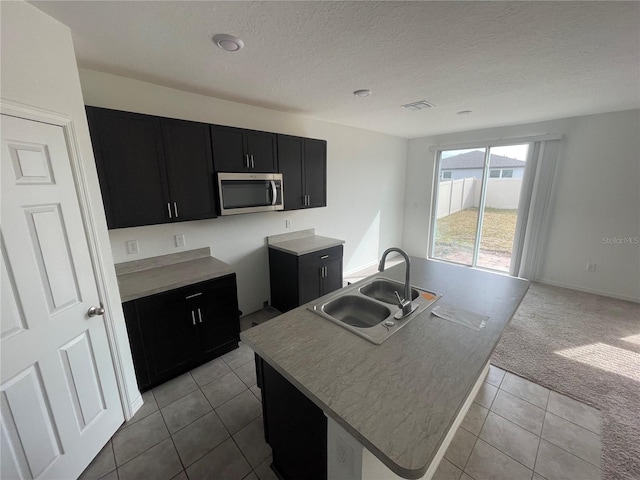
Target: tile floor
{"x":207,"y":424}
{"x":516,"y":429}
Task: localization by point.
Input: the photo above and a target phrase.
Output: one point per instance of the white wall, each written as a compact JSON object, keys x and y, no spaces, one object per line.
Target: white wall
{"x":39,"y":69}
{"x":596,"y":194}
{"x":365,"y":198}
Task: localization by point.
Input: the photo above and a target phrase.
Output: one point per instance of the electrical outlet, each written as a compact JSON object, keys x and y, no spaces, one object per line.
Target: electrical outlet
{"x":591,"y":267}
{"x":179,"y":240}
{"x":132,"y":247}
{"x":265,"y":304}
{"x":287,"y":223}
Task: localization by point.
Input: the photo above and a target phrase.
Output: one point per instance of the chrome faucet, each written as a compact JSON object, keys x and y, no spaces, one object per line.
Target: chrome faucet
{"x":404,"y":303}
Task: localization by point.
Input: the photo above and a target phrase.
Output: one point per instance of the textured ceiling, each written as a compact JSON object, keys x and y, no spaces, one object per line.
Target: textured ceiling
{"x":508,"y":62}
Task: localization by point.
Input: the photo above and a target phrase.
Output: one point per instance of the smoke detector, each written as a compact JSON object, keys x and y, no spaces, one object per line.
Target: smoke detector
{"x":362,"y":93}
{"x":419,"y":105}
{"x":230,"y":43}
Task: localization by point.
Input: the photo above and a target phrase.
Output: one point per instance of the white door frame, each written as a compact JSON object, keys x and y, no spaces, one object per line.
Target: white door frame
{"x":29,"y":112}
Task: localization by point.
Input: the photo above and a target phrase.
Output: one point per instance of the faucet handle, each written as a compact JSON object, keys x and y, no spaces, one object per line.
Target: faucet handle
{"x":400,"y":300}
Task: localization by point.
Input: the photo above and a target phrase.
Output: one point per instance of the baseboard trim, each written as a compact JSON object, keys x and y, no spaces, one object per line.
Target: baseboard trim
{"x":586,"y":290}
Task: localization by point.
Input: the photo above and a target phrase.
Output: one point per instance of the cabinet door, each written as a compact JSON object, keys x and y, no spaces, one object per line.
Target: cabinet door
{"x":187,"y":153}
{"x":332,"y":278}
{"x":129,"y":157}
{"x":169,"y":334}
{"x":227,"y":144}
{"x":261,"y":148}
{"x":310,"y":287}
{"x":290,"y":152}
{"x":217,"y":315}
{"x":315,"y":172}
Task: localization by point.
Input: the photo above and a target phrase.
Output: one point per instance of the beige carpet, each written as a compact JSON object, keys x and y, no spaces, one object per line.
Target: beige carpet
{"x":587,"y":347}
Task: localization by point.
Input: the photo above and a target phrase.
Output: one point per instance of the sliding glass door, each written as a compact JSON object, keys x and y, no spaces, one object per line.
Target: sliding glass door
{"x":477,"y":205}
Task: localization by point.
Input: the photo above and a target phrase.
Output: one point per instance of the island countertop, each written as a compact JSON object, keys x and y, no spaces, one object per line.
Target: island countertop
{"x":399,"y":399}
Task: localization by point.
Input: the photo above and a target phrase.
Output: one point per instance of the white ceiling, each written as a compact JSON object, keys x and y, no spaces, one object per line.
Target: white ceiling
{"x":508,"y":62}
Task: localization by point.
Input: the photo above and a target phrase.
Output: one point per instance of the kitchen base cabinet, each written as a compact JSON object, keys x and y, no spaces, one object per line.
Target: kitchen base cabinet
{"x":298,"y":279}
{"x":295,"y":428}
{"x":173,"y":332}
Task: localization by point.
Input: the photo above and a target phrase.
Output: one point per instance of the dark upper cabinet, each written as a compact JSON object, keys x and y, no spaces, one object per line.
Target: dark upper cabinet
{"x":151,"y":170}
{"x":296,"y":280}
{"x":187,"y":154}
{"x":173,"y":332}
{"x":240,"y":150}
{"x":303,"y":164}
{"x":130,"y":162}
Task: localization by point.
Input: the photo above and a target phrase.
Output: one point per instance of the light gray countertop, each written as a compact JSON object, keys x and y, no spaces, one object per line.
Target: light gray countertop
{"x":399,"y":399}
{"x":302,"y":242}
{"x":142,"y":278}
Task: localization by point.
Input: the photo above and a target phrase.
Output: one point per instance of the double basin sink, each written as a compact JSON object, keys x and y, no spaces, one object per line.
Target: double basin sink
{"x":371,"y":309}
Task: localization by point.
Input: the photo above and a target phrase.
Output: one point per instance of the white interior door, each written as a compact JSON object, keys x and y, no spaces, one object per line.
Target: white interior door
{"x":59,"y":397}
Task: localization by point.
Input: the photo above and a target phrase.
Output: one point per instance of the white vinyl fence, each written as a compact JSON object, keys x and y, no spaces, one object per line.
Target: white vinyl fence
{"x":457,"y":195}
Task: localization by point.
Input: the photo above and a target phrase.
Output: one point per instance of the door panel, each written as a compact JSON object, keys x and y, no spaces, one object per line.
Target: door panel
{"x":60,"y":401}
{"x":168,"y":330}
{"x":218,"y":309}
{"x":262,"y":146}
{"x":227,"y":144}
{"x":333,"y":276}
{"x":290,"y":152}
{"x":315,"y":168}
{"x":129,"y":157}
{"x":187,"y":153}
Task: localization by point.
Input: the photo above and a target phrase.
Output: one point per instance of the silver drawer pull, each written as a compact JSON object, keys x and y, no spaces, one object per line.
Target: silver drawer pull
{"x":324,"y":256}
{"x":194,"y":295}
{"x":200,"y":315}
{"x":193,"y":317}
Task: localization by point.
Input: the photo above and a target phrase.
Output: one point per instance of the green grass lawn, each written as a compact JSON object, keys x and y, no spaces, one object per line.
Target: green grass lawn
{"x":459,"y":229}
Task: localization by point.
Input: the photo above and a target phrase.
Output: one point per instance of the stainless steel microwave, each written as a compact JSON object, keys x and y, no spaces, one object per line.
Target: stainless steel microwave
{"x":250,"y":192}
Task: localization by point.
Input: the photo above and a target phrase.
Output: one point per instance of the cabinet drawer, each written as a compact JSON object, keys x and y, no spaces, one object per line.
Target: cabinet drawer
{"x":320,"y":257}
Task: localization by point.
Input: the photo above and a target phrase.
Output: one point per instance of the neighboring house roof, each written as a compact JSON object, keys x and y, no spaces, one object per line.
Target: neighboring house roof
{"x":475,"y":159}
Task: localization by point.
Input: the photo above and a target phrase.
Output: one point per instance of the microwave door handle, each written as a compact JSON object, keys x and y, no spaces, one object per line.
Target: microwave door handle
{"x":274,"y":192}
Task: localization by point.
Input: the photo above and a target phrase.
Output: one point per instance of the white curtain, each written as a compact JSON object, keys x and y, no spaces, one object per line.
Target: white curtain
{"x":534,"y":201}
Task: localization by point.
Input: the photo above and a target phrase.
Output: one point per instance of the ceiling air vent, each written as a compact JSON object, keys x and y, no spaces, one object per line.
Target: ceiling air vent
{"x":419,"y":105}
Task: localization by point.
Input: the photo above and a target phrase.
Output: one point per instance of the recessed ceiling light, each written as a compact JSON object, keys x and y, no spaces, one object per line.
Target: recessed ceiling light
{"x":419,"y":105}
{"x":362,"y":93}
{"x":230,"y":43}
{"x":463,"y":112}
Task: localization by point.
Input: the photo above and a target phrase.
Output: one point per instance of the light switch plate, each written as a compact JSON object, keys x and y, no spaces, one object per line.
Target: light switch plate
{"x":132,"y":247}
{"x":180,"y":240}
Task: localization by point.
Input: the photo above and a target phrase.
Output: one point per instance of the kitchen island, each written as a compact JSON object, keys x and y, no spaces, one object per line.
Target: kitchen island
{"x":402,"y":400}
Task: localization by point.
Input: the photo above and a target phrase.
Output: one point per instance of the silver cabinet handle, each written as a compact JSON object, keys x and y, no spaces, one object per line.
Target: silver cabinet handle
{"x":175,"y":208}
{"x":169,"y":209}
{"x":93,"y":310}
{"x":194,"y":295}
{"x":200,"y":315}
{"x":253,"y":165}
{"x":246,"y":160}
{"x":193,"y":317}
{"x":324,"y":256}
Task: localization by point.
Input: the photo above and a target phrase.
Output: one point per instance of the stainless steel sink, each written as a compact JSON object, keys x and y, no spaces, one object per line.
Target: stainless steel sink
{"x":367,"y":308}
{"x":385,"y":291}
{"x":357,"y":311}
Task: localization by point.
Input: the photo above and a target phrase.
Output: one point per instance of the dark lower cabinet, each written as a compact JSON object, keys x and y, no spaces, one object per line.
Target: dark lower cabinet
{"x":295,"y":428}
{"x":173,"y":332}
{"x":296,"y":280}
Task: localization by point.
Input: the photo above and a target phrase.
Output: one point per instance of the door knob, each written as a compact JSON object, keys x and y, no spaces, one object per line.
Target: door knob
{"x":93,"y":311}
